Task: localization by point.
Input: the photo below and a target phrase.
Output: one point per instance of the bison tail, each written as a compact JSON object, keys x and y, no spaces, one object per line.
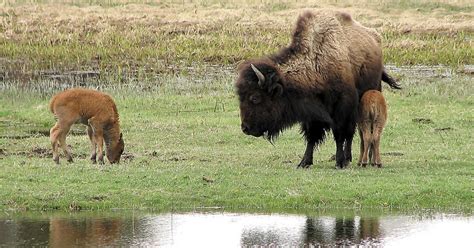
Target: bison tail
{"x":390,"y":81}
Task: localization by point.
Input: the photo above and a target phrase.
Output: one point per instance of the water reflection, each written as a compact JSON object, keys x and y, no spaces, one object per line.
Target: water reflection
{"x":100,"y":232}
{"x":230,"y":230}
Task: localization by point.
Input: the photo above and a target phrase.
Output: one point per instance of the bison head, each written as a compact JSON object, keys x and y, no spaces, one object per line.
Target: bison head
{"x":261,"y":96}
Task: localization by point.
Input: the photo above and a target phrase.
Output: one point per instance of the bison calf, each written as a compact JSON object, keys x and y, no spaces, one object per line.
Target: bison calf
{"x":94,"y":109}
{"x":371,"y":121}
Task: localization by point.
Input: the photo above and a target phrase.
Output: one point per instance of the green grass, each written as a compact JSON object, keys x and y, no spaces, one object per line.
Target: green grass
{"x":180,"y":137}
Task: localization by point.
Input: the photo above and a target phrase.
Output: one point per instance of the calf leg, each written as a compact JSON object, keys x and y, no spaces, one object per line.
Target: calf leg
{"x":377,"y":161}
{"x":361,"y":147}
{"x":64,"y":130}
{"x":90,"y":133}
{"x":366,"y":136}
{"x":100,"y":145}
{"x":98,"y":136}
{"x":371,"y":153}
{"x":53,"y":136}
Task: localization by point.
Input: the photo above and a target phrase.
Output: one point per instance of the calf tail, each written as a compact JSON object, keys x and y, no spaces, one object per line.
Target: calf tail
{"x":390,"y":81}
{"x":51,"y":105}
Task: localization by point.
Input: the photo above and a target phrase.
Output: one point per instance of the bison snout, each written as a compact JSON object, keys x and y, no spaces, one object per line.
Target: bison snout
{"x":245,"y":128}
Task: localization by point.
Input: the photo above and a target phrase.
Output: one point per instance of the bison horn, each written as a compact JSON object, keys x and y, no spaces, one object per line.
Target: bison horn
{"x":261,"y":77}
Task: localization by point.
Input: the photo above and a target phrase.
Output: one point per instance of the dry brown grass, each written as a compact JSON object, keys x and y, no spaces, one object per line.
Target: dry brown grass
{"x":158,"y":35}
{"x":171,"y":16}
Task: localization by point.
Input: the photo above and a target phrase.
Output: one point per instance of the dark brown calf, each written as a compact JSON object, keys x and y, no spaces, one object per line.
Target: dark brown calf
{"x":371,"y":121}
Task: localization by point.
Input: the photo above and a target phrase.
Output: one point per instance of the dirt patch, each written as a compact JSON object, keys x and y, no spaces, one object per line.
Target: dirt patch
{"x":42,"y":152}
{"x":441,"y":129}
{"x":74,"y":207}
{"x":39,"y":132}
{"x":16,"y":137}
{"x":207,"y":179}
{"x":422,"y":120}
{"x":395,"y":154}
{"x":154,"y":154}
{"x":128,"y":156}
{"x":468,"y":69}
{"x":175,"y":159}
{"x":98,"y":198}
{"x":35,"y":152}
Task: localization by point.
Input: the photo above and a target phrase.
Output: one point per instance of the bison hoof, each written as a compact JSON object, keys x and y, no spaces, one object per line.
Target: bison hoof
{"x":339,"y":167}
{"x":347,"y":162}
{"x":56,"y":160}
{"x":378,"y":165}
{"x":342,"y":165}
{"x":70,"y":160}
{"x":304,"y":164}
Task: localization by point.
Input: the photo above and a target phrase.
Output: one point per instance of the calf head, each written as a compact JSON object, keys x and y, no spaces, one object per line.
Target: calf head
{"x":261,"y":98}
{"x":115,"y":150}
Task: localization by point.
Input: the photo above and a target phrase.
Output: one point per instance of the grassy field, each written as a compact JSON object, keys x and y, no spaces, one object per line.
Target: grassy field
{"x":184,"y":149}
{"x":171,"y":67}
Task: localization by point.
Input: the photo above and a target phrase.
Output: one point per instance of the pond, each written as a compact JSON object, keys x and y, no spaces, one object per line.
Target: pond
{"x":221,"y":229}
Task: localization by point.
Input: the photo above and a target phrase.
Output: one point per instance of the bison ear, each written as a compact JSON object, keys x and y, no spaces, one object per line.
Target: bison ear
{"x":274,"y":86}
{"x":276,"y":90}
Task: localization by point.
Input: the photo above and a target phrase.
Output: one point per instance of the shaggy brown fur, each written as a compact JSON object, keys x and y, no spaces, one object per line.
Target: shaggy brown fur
{"x":94,"y":109}
{"x":316,"y":81}
{"x":371,"y":121}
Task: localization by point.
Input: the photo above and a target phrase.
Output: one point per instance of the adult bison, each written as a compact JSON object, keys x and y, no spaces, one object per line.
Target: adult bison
{"x":316,"y":81}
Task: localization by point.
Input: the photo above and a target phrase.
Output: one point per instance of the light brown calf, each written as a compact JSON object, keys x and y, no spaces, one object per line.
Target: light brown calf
{"x":371,"y":121}
{"x":94,"y":109}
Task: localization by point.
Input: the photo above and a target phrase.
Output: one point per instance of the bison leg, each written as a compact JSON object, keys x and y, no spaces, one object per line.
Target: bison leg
{"x":307,"y":160}
{"x":90,"y":133}
{"x":343,"y":136}
{"x":314,"y":133}
{"x":340,"y":157}
{"x":349,"y":136}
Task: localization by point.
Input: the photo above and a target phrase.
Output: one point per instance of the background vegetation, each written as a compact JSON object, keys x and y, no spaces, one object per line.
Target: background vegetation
{"x":119,"y":40}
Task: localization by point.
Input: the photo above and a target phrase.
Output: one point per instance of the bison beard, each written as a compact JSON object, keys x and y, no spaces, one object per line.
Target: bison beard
{"x":316,"y":81}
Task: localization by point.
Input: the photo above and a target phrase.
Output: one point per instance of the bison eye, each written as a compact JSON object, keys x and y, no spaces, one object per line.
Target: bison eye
{"x":255,"y":99}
